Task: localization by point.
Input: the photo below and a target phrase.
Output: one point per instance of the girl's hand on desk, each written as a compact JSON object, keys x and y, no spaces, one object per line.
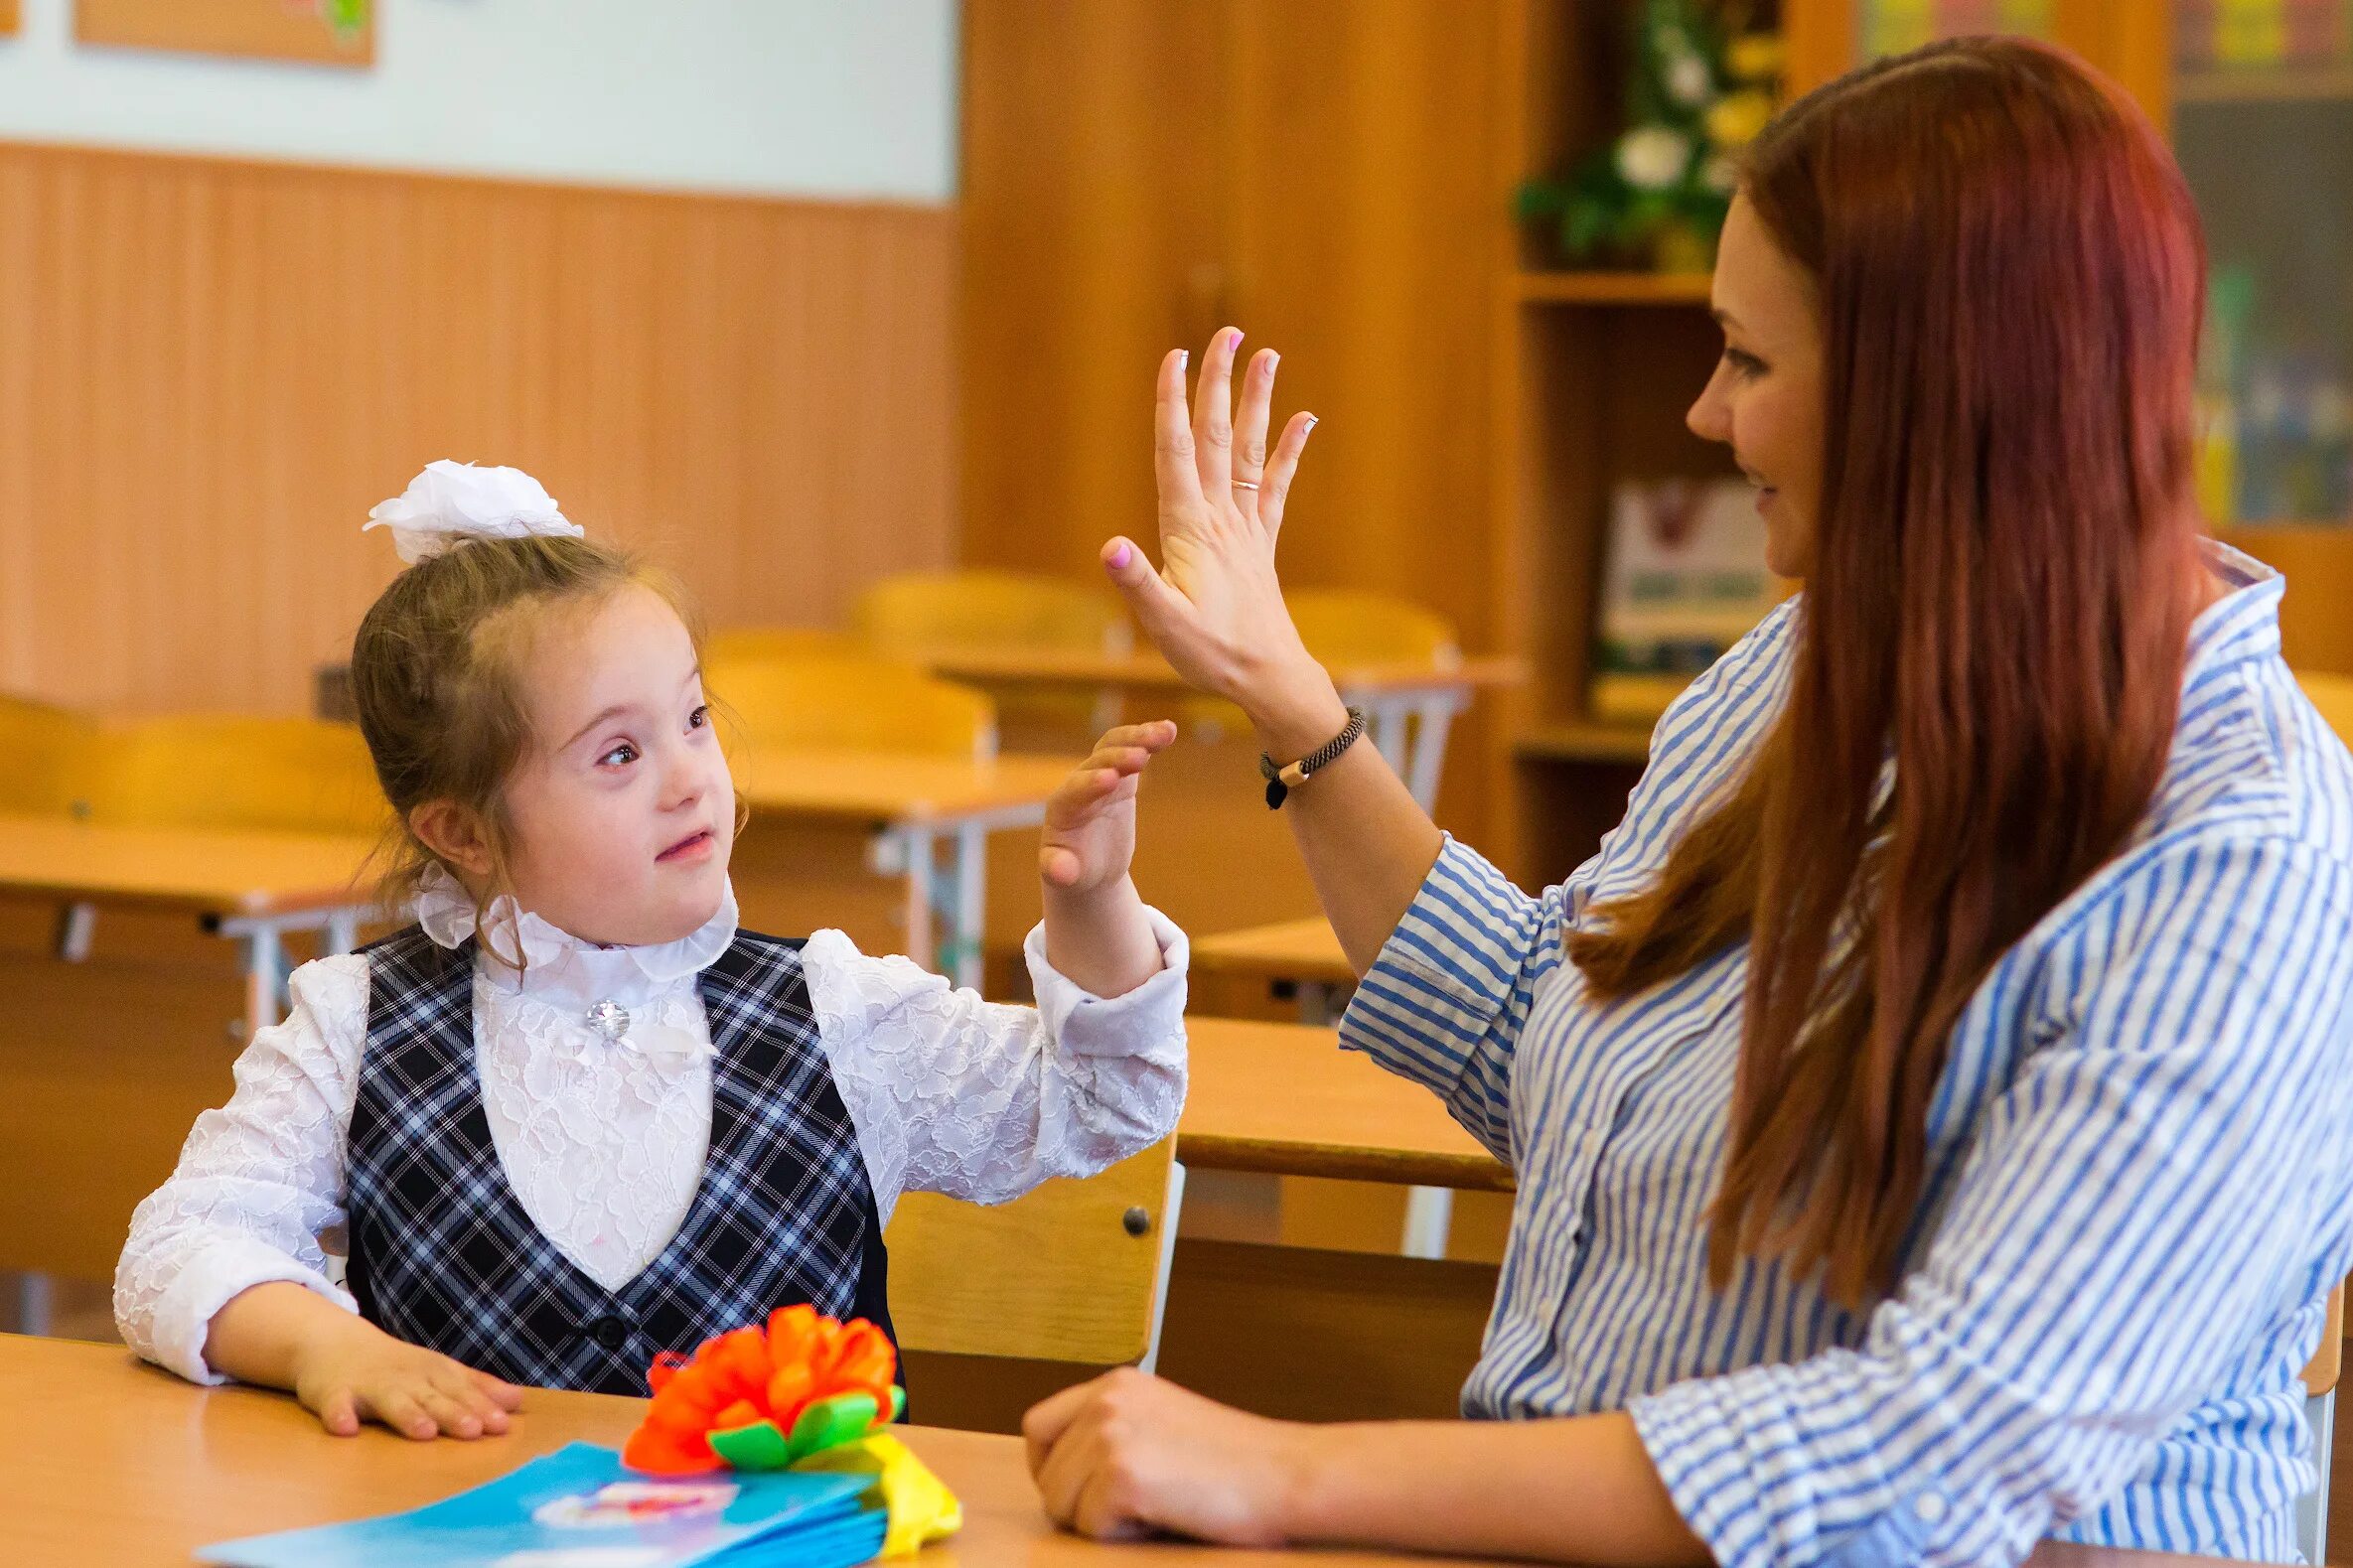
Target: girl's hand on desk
{"x":1127,"y":1455}
{"x":1215,"y":607}
{"x":361,"y":1373}
{"x":1089,"y":836}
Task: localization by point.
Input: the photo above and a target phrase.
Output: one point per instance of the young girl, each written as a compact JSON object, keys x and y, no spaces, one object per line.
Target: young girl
{"x":575,"y":1116}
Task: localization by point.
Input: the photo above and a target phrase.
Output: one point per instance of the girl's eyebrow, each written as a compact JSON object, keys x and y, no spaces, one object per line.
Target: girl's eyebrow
{"x":613,"y":712}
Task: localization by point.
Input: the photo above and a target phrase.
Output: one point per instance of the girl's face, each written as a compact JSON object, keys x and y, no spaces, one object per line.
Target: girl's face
{"x":1764,"y":400}
{"x":623,"y":814}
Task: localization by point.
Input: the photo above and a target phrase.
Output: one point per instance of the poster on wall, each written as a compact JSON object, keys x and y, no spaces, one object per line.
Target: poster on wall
{"x":318,"y":32}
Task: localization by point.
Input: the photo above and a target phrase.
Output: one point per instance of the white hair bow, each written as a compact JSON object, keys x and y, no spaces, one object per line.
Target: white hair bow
{"x":451,"y":503}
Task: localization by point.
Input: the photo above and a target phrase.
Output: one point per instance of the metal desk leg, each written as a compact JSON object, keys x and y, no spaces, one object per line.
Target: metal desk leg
{"x":76,"y":927}
{"x":1434,"y":717}
{"x":969,"y":919}
{"x":914,"y":848}
{"x":264,"y":962}
{"x":34,"y":1298}
{"x":1429,"y":1214}
{"x":343,"y":930}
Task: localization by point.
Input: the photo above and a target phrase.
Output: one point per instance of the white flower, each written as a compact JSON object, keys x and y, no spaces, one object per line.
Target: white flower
{"x":1687,"y":80}
{"x":453,"y":502}
{"x":1653,"y":157}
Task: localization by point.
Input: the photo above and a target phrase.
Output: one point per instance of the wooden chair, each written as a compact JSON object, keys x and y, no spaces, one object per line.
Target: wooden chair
{"x":921,"y":613}
{"x":1076,"y":1271}
{"x":1343,"y":625}
{"x":52,"y":758}
{"x":239,"y":771}
{"x":847,"y":700}
{"x":736,"y":644}
{"x":2333,"y":696}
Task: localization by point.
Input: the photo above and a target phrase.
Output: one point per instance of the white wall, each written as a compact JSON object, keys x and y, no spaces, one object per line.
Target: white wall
{"x":848,"y":98}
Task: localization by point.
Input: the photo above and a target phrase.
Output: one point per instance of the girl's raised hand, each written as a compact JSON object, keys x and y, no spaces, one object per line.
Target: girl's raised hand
{"x":1215,"y":607}
{"x":1090,"y":833}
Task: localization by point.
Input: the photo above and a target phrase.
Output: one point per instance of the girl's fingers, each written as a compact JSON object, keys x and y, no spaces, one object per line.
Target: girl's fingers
{"x":449,"y":1415}
{"x":502,"y":1393}
{"x":338,"y":1413}
{"x":1213,"y":417}
{"x":401,"y":1412}
{"x":1250,"y":420}
{"x":471,"y":1398}
{"x":1172,"y":443}
{"x":1151,"y":735}
{"x":1275,"y":488}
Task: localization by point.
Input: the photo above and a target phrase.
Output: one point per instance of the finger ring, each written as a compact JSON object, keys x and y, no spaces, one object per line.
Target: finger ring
{"x":1246,"y":484}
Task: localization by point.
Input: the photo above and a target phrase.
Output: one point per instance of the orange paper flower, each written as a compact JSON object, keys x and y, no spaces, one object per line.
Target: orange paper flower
{"x":747,"y":1376}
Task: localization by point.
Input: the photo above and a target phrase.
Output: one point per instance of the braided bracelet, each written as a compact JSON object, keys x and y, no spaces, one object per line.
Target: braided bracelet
{"x":1281,"y":782}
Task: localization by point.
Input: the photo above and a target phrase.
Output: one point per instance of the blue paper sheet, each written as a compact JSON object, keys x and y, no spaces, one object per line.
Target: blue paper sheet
{"x":577,"y":1508}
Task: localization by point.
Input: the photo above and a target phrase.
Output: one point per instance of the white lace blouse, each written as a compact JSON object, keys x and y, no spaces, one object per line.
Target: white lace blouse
{"x":603,"y":1140}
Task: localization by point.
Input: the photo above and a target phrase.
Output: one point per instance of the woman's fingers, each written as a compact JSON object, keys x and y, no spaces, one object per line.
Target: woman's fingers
{"x":1166,"y":616}
{"x":1049,"y":1418}
{"x":1276,"y":487}
{"x":1251,"y":422}
{"x":1172,"y":441}
{"x":1213,"y":417}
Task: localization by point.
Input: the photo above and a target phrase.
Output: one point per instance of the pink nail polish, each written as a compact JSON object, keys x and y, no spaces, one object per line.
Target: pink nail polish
{"x":1121,"y":557}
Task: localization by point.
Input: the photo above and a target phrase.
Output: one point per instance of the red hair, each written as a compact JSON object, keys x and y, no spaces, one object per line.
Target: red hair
{"x":2011,"y":277}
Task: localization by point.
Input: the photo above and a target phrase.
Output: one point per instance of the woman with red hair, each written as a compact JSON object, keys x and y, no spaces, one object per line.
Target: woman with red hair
{"x":1930,"y":1107}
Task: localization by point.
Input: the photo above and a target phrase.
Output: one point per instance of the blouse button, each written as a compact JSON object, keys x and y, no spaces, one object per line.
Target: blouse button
{"x":608,"y":1332}
{"x":1929,"y":1509}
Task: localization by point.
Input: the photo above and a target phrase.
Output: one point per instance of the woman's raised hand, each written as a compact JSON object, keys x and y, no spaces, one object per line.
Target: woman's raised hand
{"x":1215,"y":607}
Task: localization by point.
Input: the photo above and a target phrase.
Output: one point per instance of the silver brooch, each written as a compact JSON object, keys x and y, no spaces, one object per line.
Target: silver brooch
{"x":609,"y":1019}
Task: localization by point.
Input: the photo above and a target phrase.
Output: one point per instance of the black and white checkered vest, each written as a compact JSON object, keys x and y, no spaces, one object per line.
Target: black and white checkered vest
{"x":443,"y":1256}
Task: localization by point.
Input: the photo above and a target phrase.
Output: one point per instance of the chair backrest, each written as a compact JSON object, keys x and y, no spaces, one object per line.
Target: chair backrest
{"x":52,"y":758}
{"x":2333,"y":696}
{"x":857,"y":701}
{"x":1342,"y":626}
{"x":239,"y":771}
{"x":989,"y":609}
{"x":1071,"y":1272}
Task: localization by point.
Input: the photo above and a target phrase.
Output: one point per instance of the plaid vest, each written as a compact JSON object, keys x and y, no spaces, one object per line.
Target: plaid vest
{"x":443,"y":1256}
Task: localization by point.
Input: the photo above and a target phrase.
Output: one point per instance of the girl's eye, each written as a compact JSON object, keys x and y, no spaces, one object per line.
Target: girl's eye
{"x":619,"y":756}
{"x":699,"y":717}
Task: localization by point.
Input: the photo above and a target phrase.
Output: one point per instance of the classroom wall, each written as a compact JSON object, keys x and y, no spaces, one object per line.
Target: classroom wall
{"x":769,"y":97}
{"x":211,"y":368}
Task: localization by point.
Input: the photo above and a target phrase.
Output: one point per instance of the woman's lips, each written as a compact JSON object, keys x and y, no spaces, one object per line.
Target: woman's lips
{"x":698,"y":846}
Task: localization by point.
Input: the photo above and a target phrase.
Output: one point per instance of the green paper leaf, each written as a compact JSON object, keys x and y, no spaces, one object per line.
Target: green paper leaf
{"x":759,"y":1446}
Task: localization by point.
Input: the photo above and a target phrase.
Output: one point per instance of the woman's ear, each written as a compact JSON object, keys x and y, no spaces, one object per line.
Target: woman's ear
{"x":455,"y":833}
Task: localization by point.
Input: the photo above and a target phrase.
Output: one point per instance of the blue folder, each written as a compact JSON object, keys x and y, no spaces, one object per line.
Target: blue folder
{"x":579,"y":1506}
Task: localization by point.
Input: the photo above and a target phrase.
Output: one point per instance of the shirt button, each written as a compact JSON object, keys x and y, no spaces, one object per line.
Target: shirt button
{"x":1929,"y":1509}
{"x":609,"y":1331}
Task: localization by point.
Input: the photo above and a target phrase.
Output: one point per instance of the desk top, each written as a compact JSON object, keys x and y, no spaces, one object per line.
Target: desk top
{"x":1148,"y":671}
{"x":895,"y":787}
{"x":214,"y":870}
{"x":132,"y":1466}
{"x":1289,"y":951}
{"x":1287,"y":1100}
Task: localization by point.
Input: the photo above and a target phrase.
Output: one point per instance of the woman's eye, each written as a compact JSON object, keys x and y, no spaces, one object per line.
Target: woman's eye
{"x":1743,"y":364}
{"x":619,"y":756}
{"x":699,"y":717}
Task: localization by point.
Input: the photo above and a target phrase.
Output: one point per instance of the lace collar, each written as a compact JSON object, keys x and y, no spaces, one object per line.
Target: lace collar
{"x":559,"y":968}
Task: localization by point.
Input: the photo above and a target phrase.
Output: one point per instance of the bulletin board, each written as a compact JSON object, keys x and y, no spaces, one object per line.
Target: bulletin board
{"x":320,"y":32}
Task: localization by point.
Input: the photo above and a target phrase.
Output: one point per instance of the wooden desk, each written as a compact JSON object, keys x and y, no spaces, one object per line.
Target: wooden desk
{"x":1303,"y":953}
{"x":119,"y":1462}
{"x":930,"y":819}
{"x":247,"y":885}
{"x":1284,"y":1100}
{"x":1408,"y":704}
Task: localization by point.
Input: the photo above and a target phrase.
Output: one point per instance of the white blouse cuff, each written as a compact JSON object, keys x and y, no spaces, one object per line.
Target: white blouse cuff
{"x":221,"y":1270}
{"x":1117,"y":1026}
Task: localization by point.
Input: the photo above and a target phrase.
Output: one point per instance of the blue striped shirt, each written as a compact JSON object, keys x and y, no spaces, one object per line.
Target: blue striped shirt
{"x":2136,"y":1194}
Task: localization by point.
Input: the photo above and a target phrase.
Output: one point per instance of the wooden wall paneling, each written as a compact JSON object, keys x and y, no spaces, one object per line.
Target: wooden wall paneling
{"x":210,"y":370}
{"x":10,"y":17}
{"x":263,"y":29}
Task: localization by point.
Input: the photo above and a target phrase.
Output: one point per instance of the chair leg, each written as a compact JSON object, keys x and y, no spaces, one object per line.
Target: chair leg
{"x":2312,"y":1510}
{"x":1171,"y":1209}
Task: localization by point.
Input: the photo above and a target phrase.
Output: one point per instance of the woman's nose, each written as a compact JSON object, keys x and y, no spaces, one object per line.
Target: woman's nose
{"x":1708,"y":418}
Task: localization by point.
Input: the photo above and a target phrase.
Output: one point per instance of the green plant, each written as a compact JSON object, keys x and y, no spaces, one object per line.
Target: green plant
{"x":1700,"y":89}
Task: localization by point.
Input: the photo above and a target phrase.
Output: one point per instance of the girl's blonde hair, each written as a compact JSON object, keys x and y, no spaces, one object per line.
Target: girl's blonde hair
{"x":436,"y":673}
